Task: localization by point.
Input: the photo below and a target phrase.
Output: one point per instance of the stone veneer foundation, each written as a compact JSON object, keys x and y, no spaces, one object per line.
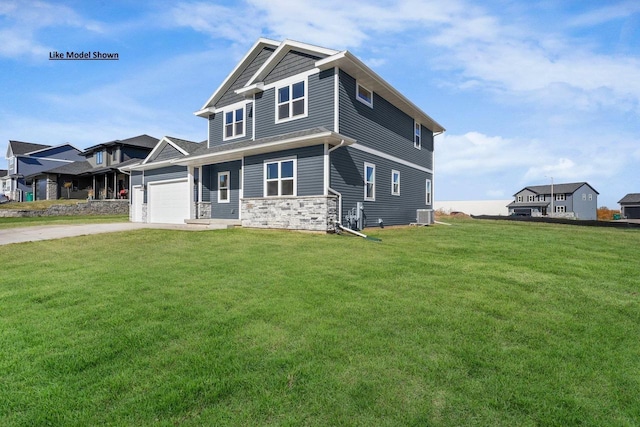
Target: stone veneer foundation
{"x":90,"y":207}
{"x":313,"y":213}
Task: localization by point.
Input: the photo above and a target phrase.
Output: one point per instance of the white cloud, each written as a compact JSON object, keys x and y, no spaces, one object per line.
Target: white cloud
{"x":25,"y":18}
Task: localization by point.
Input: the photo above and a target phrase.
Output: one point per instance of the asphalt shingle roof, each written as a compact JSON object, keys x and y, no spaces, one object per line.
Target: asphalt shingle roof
{"x":630,"y":198}
{"x":19,"y":147}
{"x":557,"y":188}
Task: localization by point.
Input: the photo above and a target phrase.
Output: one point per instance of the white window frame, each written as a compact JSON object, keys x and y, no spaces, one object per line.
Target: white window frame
{"x":519,"y":199}
{"x":531,"y":198}
{"x":228,"y":187}
{"x":234,"y":123}
{"x":560,"y":209}
{"x":279,"y":179}
{"x":590,"y":197}
{"x":395,"y":192}
{"x":290,"y":102}
{"x":99,"y":156}
{"x":428,"y":192}
{"x":560,"y":197}
{"x":368,"y":103}
{"x":371,"y":197}
{"x":417,"y":135}
{"x":541,"y":197}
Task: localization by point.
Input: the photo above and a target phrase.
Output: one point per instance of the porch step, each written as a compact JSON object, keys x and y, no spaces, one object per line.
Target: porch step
{"x":214,"y":224}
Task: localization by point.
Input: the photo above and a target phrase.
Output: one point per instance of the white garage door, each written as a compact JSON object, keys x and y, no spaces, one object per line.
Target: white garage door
{"x":168,"y":202}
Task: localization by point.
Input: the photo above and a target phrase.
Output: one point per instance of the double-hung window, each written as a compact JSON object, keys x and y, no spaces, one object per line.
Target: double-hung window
{"x":234,"y":123}
{"x":417,"y":136}
{"x":98,"y":157}
{"x":369,"y":182}
{"x":560,"y":209}
{"x":291,"y":101}
{"x":520,"y":199}
{"x":395,"y":183}
{"x":530,"y":198}
{"x":280,"y":177}
{"x":429,"y":192}
{"x":560,"y":197}
{"x":223,"y":187}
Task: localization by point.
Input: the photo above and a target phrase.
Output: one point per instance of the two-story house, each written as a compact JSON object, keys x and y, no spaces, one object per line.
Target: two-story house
{"x":577,"y":200}
{"x":26,"y":161}
{"x":299,"y":137}
{"x":97,"y":174}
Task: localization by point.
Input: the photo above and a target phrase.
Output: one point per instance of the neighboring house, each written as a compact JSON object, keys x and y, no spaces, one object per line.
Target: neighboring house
{"x":299,"y":136}
{"x":473,"y":207}
{"x":26,"y":162}
{"x":630,"y":206}
{"x":97,"y":173}
{"x":577,"y":200}
{"x":5,"y":182}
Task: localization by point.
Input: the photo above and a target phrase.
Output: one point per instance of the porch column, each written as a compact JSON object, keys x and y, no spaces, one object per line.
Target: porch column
{"x":115,"y":185}
{"x":105,"y":186}
{"x":191,"y":189}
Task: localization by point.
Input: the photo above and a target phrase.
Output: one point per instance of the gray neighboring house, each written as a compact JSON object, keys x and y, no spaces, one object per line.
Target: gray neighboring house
{"x":630,"y":206}
{"x":27,"y":161}
{"x":299,"y":136}
{"x":97,"y":173}
{"x":577,"y":200}
{"x":4,"y":182}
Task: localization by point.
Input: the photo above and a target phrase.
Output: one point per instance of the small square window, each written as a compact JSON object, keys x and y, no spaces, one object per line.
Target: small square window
{"x":280,"y":178}
{"x":364,"y":95}
{"x":291,"y":102}
{"x":234,"y":123}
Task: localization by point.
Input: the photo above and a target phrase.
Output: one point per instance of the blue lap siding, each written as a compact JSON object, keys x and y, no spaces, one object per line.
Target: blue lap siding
{"x":228,"y":210}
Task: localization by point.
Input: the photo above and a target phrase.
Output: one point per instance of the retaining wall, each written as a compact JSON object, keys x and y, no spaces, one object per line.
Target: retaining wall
{"x":91,"y":207}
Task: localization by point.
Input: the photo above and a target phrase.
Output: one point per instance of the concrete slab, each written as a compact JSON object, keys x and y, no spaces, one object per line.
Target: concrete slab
{"x":49,"y":232}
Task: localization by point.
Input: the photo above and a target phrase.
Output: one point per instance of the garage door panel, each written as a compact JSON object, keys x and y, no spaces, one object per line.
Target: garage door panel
{"x":168,"y":202}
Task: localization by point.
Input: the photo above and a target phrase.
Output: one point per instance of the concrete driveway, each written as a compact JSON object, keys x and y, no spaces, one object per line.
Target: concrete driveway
{"x":49,"y":232}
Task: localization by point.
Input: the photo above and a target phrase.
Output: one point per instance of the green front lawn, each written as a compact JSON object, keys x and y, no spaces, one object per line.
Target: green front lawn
{"x":480,"y":323}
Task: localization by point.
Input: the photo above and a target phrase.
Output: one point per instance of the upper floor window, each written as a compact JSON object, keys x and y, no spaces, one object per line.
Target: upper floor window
{"x":519,"y":199}
{"x":584,"y":196}
{"x":417,"y":136}
{"x":429,"y":192}
{"x":364,"y":95}
{"x":395,"y":183}
{"x":98,"y":157}
{"x":590,"y":196}
{"x":531,"y":198}
{"x":223,"y":187}
{"x":234,"y":123}
{"x":291,"y":102}
{"x":280,"y":177}
{"x":541,"y":197}
{"x":560,"y":197}
{"x":369,"y":182}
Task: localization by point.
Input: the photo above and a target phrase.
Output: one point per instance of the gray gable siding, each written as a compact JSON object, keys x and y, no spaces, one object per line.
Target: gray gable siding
{"x":216,"y":125}
{"x":230,"y":97}
{"x":320,"y":104}
{"x":30,"y":165}
{"x":163,"y":174}
{"x":168,"y":152}
{"x":310,"y":172}
{"x":223,"y":210}
{"x":383,"y":127}
{"x":585,"y":209}
{"x":293,"y":63}
{"x":347,"y":177}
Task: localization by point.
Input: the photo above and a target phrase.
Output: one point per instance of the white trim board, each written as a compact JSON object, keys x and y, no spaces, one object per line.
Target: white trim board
{"x":390,"y":157}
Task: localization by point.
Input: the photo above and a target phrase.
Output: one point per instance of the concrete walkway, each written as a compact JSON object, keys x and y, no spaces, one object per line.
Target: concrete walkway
{"x":49,"y":232}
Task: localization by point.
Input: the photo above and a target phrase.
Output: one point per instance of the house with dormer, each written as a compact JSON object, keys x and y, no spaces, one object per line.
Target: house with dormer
{"x":299,"y":137}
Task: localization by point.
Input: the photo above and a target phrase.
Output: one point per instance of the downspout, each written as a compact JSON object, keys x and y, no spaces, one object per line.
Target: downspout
{"x":331,"y":189}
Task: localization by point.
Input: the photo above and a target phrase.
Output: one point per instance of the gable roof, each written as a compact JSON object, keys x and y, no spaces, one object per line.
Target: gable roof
{"x":568,"y":188}
{"x":53,"y":147}
{"x":3,"y":172}
{"x":19,"y":147}
{"x":75,"y":168}
{"x":141,"y":141}
{"x":630,"y":198}
{"x":183,"y":146}
{"x":330,"y":58}
{"x":235,"y":73}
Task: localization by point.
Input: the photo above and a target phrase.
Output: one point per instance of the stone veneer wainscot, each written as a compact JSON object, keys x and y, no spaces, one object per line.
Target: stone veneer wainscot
{"x":313,"y":213}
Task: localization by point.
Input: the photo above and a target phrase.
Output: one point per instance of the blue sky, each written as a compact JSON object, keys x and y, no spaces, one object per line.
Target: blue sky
{"x":526,"y":90}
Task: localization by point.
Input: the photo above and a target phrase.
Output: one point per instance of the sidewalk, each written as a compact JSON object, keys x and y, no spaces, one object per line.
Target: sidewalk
{"x":49,"y":232}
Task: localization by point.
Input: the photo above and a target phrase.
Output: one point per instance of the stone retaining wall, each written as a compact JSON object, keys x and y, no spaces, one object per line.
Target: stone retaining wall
{"x":92,"y":207}
{"x":314,"y":213}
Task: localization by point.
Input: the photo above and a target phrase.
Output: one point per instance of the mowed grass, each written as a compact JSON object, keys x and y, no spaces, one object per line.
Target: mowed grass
{"x":59,"y":220}
{"x":480,"y":323}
